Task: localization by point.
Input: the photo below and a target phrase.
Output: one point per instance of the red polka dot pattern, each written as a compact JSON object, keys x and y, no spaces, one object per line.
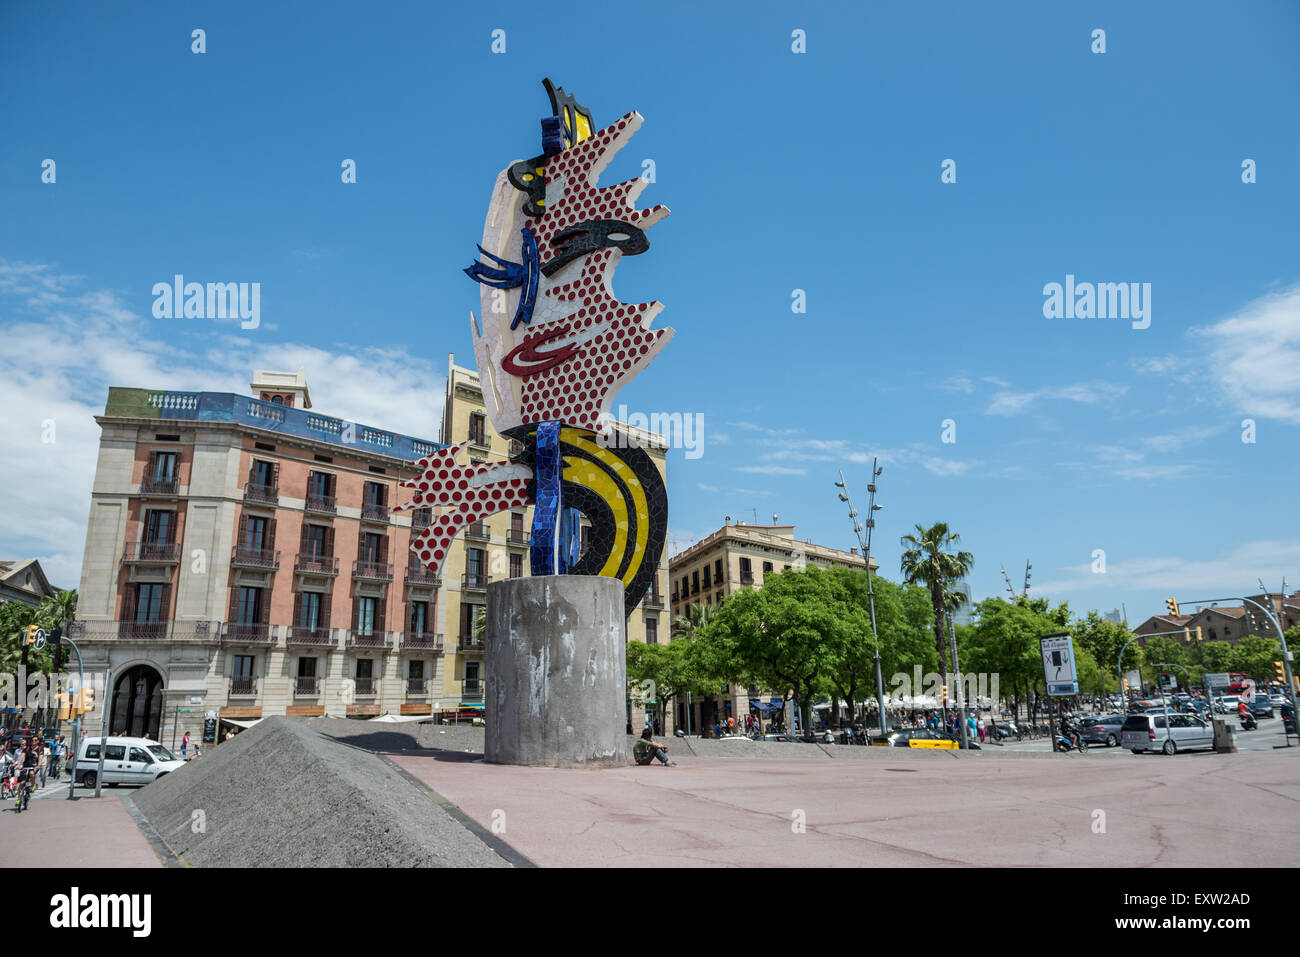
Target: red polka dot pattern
{"x":443,"y":482}
{"x":580,"y":389}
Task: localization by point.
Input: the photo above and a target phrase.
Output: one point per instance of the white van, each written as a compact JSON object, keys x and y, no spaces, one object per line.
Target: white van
{"x":126,"y":761}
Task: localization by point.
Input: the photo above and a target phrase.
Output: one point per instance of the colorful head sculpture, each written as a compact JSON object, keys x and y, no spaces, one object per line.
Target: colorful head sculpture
{"x":554,"y":349}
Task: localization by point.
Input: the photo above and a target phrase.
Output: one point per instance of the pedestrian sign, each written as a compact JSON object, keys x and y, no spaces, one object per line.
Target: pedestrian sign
{"x":1058,"y":664}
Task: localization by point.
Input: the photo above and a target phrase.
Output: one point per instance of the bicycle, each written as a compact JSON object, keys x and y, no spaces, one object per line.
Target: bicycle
{"x":24,"y":793}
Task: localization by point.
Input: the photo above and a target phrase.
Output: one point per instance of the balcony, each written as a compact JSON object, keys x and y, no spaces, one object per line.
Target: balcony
{"x":470,"y":646}
{"x":243,"y":686}
{"x":479,"y":440}
{"x":370,"y":512}
{"x":236,"y":633}
{"x":653,"y":601}
{"x":314,"y":637}
{"x":309,"y":563}
{"x":471,"y":689}
{"x":325,"y":504}
{"x":421,"y":518}
{"x":160,"y":485}
{"x":747,"y":578}
{"x":245,"y":556}
{"x":519,"y":536}
{"x":372,"y":571}
{"x":376,"y":639}
{"x":420,"y":575}
{"x":421,"y":641}
{"x":477,"y":530}
{"x":155,"y":553}
{"x":364,"y":687}
{"x":90,"y":631}
{"x":261,"y":494}
{"x":417,"y":687}
{"x":306,"y":685}
{"x":477,"y":581}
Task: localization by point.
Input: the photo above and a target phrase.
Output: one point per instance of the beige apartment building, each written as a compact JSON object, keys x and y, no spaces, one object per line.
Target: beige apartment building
{"x":245,"y":558}
{"x":732,"y":558}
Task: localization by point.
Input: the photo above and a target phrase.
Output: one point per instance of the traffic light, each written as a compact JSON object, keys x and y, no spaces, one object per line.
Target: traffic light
{"x":1187,"y":636}
{"x":1172,"y":606}
{"x":1197,"y":629}
{"x":943,"y":693}
{"x":1123,"y":684}
{"x":1279,"y":671}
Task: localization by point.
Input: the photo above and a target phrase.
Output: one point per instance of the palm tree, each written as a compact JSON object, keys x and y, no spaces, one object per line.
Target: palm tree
{"x":697,"y":618}
{"x":927,"y":561}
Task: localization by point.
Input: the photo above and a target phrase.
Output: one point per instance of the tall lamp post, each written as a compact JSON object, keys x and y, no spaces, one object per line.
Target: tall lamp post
{"x":872,"y":508}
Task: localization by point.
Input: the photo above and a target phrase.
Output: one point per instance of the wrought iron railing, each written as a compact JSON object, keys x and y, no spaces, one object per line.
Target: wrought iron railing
{"x":519,"y":536}
{"x":162,"y":485}
{"x":477,"y":530}
{"x":310,"y":636}
{"x":239,"y":632}
{"x":472,"y":580}
{"x":376,"y":639}
{"x":268,"y":494}
{"x":160,"y":552}
{"x":421,"y":575}
{"x":306,"y":685}
{"x":421,"y":641}
{"x":245,"y":556}
{"x":374,"y":571}
{"x":374,"y":513}
{"x":243,"y":685}
{"x":321,"y":503}
{"x":309,"y":563}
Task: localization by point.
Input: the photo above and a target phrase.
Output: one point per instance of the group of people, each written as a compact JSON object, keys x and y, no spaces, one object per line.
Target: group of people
{"x":33,"y":761}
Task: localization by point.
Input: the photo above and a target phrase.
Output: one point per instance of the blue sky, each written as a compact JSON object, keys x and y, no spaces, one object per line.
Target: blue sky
{"x":817,"y":171}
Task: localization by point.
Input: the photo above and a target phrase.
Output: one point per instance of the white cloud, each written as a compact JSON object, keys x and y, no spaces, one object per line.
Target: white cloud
{"x":957,"y":384}
{"x":1232,"y":571}
{"x":1088,"y":393}
{"x":70,"y":346}
{"x":1255,"y":356}
{"x":771,"y":470}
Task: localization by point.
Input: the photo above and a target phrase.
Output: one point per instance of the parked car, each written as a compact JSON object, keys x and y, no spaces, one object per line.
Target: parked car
{"x":923,"y":738}
{"x":126,"y":761}
{"x":1147,"y":732}
{"x":1105,"y":729}
{"x":1278,"y":700}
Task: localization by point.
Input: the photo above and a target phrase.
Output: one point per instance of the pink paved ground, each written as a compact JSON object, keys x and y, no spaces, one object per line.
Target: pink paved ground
{"x":88,"y":832}
{"x":1187,"y":810}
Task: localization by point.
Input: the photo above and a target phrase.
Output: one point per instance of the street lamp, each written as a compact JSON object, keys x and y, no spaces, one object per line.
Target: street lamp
{"x":872,"y":508}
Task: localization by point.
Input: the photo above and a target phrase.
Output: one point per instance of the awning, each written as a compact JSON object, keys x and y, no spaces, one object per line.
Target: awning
{"x":241,"y":724}
{"x":402,"y":718}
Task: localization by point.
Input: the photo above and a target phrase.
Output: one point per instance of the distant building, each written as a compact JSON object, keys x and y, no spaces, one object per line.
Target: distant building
{"x":1162,"y":623}
{"x":733,"y":558}
{"x":24,"y":581}
{"x":1114,"y":616}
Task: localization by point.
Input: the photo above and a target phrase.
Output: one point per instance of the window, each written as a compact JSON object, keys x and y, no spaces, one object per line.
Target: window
{"x":516,"y":565}
{"x":140,"y":756}
{"x":365,"y":616}
{"x":718,"y":596}
{"x":115,"y":752}
{"x":787,"y":567}
{"x":767,"y":568}
{"x":306,"y":667}
{"x":250,"y":606}
{"x":159,"y":526}
{"x":263,"y":473}
{"x":419,"y":617}
{"x":717,"y":571}
{"x":477,"y":432}
{"x":467,"y":612}
{"x":415,"y":669}
{"x":376,"y":493}
{"x":164,"y":469}
{"x":695,"y":582}
{"x":372,"y":547}
{"x":277,"y":400}
{"x":474,"y":559}
{"x":686,"y":585}
{"x":315,"y":541}
{"x":652,"y":631}
{"x":148,"y":602}
{"x":254,"y":532}
{"x":320,"y":485}
{"x":707,"y":583}
{"x":471,"y":672}
{"x":242,"y":667}
{"x":746,"y":571}
{"x":309,"y":605}
{"x":365,"y":668}
{"x":516,"y":521}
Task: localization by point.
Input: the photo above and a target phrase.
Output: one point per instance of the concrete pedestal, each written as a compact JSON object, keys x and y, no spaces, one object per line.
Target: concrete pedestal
{"x":1223,"y":739}
{"x":556,"y":689}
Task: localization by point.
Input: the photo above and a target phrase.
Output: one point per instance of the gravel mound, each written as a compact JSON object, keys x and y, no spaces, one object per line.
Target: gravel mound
{"x":281,"y":794}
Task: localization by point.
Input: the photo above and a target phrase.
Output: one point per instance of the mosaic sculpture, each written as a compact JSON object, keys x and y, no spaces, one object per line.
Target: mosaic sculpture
{"x":554,"y":349}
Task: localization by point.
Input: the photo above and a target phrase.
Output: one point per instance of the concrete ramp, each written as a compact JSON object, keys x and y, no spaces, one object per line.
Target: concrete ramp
{"x":283,"y":795}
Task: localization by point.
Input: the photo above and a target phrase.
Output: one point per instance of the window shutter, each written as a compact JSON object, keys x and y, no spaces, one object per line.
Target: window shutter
{"x":330,"y":484}
{"x":361,"y":546}
{"x":275,"y":475}
{"x":171,"y":527}
{"x":297,"y":609}
{"x":383,"y":550}
{"x":151,"y":469}
{"x":128,"y":602}
{"x":383,"y":495}
{"x":265,"y":598}
{"x":324,"y":618}
{"x":356,"y":612}
{"x":329,"y":541}
{"x":302,"y":539}
{"x":243,"y":531}
{"x":270,"y":537}
{"x":234,"y":604}
{"x":164,"y":605}
{"x":381,"y":606}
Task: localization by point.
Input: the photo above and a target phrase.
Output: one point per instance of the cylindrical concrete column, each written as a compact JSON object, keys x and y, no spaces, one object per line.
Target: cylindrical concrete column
{"x":556,"y":688}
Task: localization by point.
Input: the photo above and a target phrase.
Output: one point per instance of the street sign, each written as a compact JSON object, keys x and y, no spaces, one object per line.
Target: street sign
{"x":40,"y":639}
{"x":1058,"y":664}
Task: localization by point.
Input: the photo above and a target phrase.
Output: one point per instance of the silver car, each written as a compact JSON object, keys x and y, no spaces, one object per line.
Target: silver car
{"x":1147,"y":732}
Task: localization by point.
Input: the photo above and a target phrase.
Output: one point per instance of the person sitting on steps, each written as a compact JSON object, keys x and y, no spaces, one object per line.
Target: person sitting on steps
{"x":646,"y":750}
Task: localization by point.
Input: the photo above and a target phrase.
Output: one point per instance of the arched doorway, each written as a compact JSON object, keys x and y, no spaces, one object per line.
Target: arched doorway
{"x":137,"y":703}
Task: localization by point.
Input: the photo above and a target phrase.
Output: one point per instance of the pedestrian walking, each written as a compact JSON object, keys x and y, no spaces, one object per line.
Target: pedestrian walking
{"x":185,"y":745}
{"x":979,"y":725}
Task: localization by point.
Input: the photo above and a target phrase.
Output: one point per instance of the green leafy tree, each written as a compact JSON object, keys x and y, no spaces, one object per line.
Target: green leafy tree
{"x":1004,"y":641}
{"x":927,"y":561}
{"x":673,"y":669}
{"x":1163,"y":650}
{"x":1254,"y":656}
{"x":1103,"y":640}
